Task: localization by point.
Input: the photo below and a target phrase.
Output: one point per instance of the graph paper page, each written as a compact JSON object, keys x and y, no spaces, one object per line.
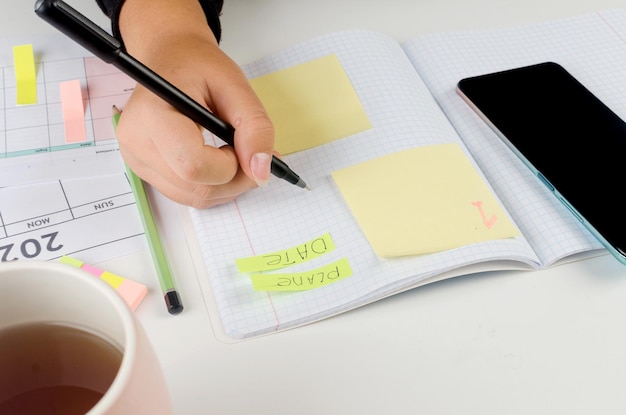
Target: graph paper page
{"x":403,"y":115}
{"x":591,"y":47}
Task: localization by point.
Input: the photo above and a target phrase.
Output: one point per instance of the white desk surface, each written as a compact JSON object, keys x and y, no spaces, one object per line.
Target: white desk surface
{"x":510,"y":343}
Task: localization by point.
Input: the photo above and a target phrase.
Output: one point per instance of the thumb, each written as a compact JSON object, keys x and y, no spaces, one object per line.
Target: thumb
{"x":236,"y":102}
{"x":254,"y":140}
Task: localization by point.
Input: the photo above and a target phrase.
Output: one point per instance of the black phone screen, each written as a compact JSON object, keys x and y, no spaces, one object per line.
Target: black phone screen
{"x":564,"y":132}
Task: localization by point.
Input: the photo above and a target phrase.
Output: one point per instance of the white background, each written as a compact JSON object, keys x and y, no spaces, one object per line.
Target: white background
{"x":508,"y":343}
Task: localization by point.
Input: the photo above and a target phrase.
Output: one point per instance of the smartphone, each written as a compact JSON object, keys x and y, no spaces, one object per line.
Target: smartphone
{"x":574,"y":143}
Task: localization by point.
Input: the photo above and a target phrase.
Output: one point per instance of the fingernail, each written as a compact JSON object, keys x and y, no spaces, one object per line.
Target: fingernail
{"x":260,"y":166}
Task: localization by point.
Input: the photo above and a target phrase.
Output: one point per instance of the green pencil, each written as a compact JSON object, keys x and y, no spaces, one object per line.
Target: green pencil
{"x":166,"y":279}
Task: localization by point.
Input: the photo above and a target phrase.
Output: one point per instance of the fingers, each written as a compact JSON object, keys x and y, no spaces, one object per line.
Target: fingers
{"x":198,"y":196}
{"x":167,"y":150}
{"x":177,"y":141}
{"x":170,"y":184}
{"x":235,"y":101}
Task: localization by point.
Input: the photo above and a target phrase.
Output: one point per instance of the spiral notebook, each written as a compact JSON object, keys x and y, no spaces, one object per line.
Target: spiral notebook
{"x":408,"y":93}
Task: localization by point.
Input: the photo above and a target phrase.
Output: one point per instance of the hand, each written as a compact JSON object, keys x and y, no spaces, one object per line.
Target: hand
{"x":164,"y":147}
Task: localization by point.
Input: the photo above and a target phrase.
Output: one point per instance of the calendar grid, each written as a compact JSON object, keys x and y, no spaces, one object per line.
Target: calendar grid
{"x":47,"y":220}
{"x":38,"y":128}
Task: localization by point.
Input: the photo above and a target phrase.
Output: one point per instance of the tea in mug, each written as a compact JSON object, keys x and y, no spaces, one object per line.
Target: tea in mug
{"x":54,"y":369}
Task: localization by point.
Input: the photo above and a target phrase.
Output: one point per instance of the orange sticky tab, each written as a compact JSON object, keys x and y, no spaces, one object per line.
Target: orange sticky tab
{"x":73,"y":112}
{"x":133,"y":293}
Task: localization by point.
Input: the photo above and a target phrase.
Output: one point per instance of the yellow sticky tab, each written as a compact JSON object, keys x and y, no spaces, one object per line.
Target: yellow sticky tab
{"x":311,"y":104}
{"x":302,"y":281}
{"x":422,"y":200}
{"x":287,"y":257}
{"x":112,"y":279}
{"x":25,"y":74}
{"x":71,"y":261}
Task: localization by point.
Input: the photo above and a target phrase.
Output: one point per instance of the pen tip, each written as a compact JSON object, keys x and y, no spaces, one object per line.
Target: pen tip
{"x":307,"y":187}
{"x":302,"y":184}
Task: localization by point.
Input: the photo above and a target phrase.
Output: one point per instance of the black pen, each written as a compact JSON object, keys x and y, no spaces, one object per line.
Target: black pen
{"x":106,"y":47}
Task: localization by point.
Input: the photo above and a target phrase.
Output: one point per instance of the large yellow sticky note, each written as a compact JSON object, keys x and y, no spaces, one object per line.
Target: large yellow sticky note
{"x":311,"y":104}
{"x":422,"y":200}
{"x":25,"y":74}
{"x":305,"y":280}
{"x":287,"y":257}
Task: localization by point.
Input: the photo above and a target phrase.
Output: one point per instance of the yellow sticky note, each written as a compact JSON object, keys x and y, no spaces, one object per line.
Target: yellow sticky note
{"x":73,"y":111}
{"x":287,"y":257}
{"x":305,"y":280}
{"x":422,"y":200}
{"x":113,"y":280}
{"x":311,"y":104}
{"x":25,"y":74}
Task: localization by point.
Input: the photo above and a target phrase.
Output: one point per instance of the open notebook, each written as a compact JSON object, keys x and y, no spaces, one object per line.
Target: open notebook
{"x":408,"y":93}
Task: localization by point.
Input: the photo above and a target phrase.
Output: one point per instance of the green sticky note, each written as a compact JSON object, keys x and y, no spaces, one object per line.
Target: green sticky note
{"x":287,"y":257}
{"x":71,"y":261}
{"x":302,"y":281}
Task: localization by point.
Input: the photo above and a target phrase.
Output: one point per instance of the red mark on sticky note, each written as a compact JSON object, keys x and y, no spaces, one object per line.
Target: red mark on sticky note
{"x":131,"y":292}
{"x":25,"y":75}
{"x":488,"y":222}
{"x":73,"y":112}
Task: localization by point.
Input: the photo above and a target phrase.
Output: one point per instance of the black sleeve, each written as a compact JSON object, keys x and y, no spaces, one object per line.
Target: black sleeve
{"x":212,"y":10}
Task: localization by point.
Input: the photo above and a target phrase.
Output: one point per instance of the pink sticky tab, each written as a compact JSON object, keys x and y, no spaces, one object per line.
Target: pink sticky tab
{"x":73,"y":112}
{"x":92,"y":270}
